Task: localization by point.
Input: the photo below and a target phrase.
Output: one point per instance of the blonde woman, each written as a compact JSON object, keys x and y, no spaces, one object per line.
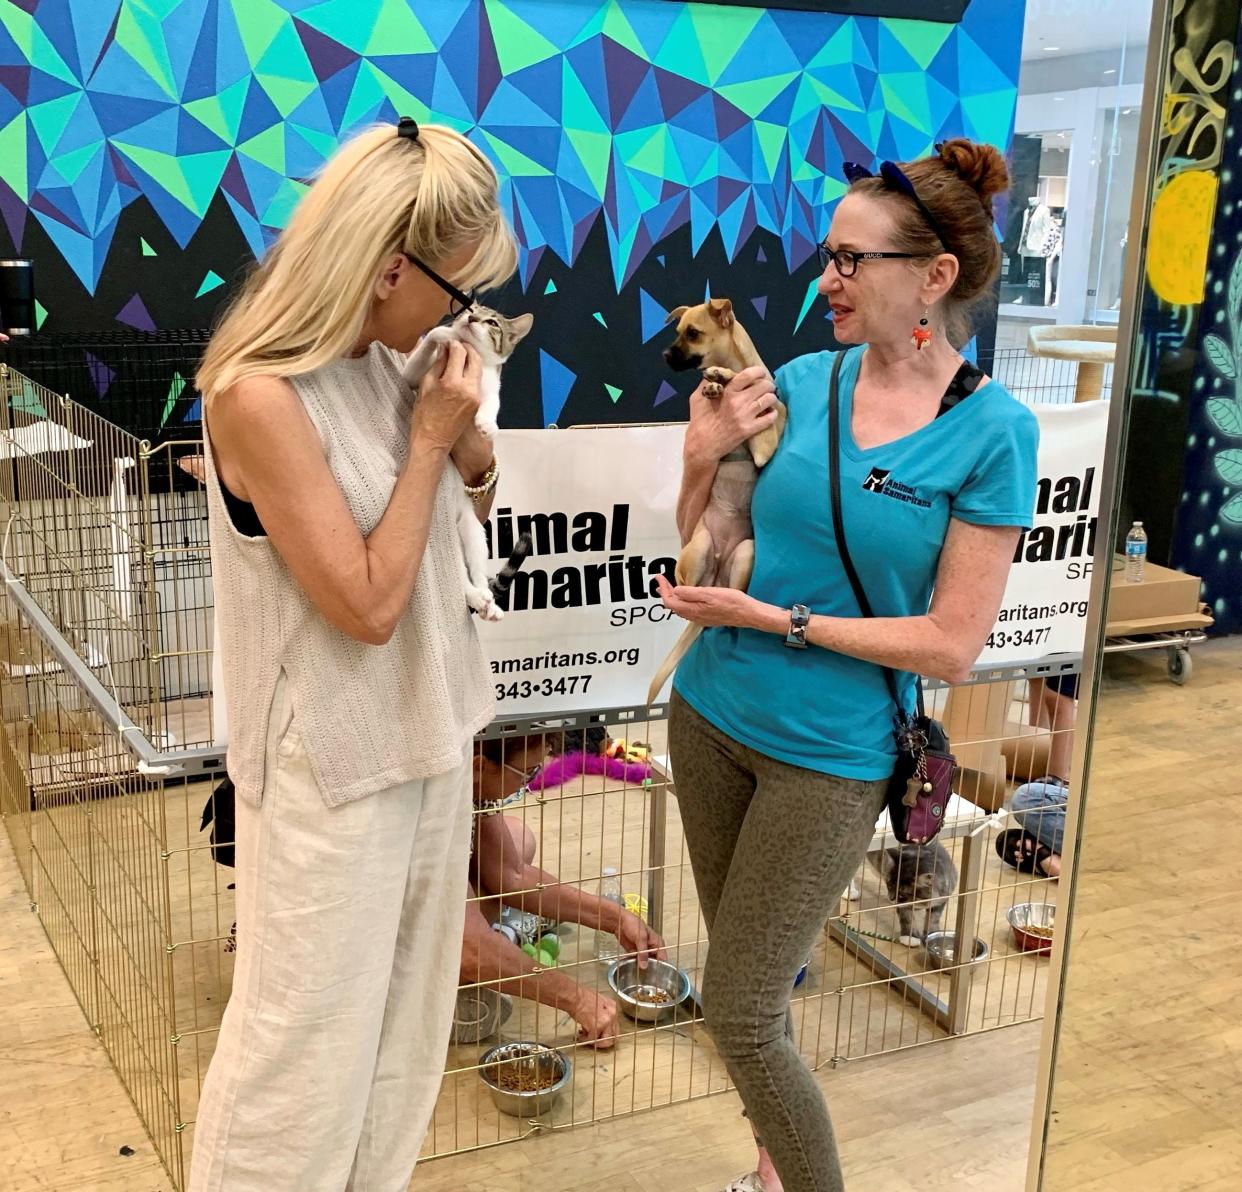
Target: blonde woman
{"x":353,"y":676}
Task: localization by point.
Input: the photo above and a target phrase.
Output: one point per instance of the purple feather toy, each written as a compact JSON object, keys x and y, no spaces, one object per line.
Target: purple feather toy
{"x":568,"y":766}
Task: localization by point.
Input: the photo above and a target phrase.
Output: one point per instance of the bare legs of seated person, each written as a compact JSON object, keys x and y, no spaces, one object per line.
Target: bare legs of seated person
{"x":1039,"y":806}
{"x":503,"y":871}
{"x":1054,"y":706}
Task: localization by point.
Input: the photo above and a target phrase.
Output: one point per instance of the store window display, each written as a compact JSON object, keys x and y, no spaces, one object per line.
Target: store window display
{"x":1035,"y":230}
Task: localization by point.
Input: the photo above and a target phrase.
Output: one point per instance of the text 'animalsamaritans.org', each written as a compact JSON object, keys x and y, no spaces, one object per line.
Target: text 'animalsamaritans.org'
{"x":558,"y":683}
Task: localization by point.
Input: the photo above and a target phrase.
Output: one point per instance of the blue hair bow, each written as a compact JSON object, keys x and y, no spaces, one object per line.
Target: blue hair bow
{"x":896,"y":177}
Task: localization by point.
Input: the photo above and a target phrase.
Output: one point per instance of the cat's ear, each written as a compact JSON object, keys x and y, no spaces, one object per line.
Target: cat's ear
{"x":674,"y":315}
{"x":892,"y":859}
{"x":722,"y":311}
{"x":520,"y":326}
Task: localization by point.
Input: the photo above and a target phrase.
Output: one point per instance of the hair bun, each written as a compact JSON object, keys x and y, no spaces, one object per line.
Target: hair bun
{"x":979,"y":165}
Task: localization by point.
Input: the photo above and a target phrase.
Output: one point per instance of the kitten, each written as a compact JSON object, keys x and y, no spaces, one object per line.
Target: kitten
{"x":922,"y":874}
{"x":494,"y":337}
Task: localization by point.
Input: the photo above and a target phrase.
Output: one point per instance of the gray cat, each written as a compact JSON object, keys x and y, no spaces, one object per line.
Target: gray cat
{"x":920,"y":878}
{"x":494,"y":337}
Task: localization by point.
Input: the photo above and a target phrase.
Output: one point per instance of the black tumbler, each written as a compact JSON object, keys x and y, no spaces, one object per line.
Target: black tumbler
{"x":17,"y":296}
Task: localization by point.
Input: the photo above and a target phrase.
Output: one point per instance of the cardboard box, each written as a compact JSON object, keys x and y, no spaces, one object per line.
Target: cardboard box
{"x":1162,"y":594}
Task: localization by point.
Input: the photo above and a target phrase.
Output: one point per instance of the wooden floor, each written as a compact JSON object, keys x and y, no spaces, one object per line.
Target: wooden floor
{"x":1149,"y":1087}
{"x":64,"y":1117}
{"x":63,"y":1114}
{"x":975,"y":1138}
{"x":1148,"y":1093}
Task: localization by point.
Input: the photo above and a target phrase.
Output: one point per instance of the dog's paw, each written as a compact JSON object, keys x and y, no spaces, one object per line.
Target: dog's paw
{"x":718,"y":376}
{"x":712,"y":389}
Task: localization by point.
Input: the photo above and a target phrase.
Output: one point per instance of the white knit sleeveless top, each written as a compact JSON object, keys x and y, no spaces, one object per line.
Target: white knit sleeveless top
{"x":370,"y":717}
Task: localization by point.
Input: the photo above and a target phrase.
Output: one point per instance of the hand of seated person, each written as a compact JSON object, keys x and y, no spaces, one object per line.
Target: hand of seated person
{"x":596,"y":1017}
{"x":637,"y":939}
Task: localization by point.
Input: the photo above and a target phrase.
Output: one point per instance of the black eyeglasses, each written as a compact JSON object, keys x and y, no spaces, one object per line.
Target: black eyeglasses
{"x":847,"y":261}
{"x":461,"y":301}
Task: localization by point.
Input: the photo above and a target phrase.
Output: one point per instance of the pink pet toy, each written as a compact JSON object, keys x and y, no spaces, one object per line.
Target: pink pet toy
{"x":563,"y":769}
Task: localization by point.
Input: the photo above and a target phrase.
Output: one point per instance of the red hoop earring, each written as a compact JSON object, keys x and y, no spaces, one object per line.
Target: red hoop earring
{"x":921,"y":336}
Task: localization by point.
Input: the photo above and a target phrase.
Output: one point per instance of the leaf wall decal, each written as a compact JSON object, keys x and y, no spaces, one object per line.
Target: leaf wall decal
{"x":1229,"y":466}
{"x":1231,"y":511}
{"x":1235,"y":287}
{"x":1226,"y":415}
{"x":1221,"y":357}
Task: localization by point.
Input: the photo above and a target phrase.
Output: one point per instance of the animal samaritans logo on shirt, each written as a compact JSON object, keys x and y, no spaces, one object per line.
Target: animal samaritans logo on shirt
{"x":881,"y":481}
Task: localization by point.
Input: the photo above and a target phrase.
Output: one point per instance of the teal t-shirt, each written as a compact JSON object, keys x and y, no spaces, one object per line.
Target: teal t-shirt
{"x":816,"y":708}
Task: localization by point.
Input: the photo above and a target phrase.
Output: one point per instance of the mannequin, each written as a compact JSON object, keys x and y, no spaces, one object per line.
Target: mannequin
{"x":1052,"y":255}
{"x":1036,"y":224}
{"x":1040,"y":241}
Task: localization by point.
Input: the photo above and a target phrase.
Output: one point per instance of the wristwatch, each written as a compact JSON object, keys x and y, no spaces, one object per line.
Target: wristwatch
{"x":799,"y":618}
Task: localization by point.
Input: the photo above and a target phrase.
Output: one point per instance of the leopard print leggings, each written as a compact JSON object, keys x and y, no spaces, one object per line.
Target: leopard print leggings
{"x":772,"y":846}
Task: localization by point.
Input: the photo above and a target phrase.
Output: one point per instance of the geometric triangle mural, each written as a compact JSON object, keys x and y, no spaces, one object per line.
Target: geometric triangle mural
{"x":648,"y":116}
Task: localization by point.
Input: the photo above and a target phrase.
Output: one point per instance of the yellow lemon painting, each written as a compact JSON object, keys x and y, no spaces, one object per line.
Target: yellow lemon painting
{"x":1181,"y":230}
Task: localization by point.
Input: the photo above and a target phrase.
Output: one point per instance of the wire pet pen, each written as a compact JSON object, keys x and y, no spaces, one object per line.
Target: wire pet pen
{"x":107,"y":762}
{"x":141,"y":381}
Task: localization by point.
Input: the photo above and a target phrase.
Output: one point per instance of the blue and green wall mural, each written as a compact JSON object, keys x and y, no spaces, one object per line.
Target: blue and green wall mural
{"x":650,"y":151}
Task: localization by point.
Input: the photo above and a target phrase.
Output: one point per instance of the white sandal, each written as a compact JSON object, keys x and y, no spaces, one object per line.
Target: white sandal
{"x":747,"y":1183}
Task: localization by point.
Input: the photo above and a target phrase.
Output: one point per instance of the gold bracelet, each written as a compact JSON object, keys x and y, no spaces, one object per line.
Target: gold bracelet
{"x":476,"y":492}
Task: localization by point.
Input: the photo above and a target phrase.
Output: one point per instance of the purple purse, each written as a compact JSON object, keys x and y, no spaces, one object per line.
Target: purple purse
{"x":922,"y":781}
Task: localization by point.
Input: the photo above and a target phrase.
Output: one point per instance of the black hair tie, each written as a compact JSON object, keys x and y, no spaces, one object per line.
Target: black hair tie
{"x":407,"y":128}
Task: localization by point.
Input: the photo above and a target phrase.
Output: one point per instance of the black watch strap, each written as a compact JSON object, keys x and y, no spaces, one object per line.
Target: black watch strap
{"x":799,"y":618}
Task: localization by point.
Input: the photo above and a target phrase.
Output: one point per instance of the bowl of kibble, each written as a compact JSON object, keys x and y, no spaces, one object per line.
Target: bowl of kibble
{"x":1033,"y":924}
{"x":648,"y":994}
{"x":525,"y":1079}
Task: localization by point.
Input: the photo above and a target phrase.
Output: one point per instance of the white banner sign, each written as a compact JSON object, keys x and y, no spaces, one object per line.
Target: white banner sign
{"x":1044,"y":610}
{"x":585,"y":628}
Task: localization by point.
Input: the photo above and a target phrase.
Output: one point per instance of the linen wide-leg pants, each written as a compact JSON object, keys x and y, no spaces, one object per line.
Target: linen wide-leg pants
{"x":349,"y":926}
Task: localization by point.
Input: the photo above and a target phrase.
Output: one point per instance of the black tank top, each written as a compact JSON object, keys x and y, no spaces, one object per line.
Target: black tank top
{"x":242,"y":514}
{"x":965,"y":382}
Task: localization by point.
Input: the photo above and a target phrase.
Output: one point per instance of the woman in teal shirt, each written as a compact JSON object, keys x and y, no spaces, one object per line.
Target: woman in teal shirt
{"x":781,"y":756}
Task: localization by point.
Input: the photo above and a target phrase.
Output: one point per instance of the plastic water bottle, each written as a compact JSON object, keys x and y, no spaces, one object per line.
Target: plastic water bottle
{"x":1136,"y":553}
{"x":606,"y":947}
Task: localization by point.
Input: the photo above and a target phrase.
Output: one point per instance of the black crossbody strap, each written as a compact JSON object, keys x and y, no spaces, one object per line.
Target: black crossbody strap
{"x":838,"y":521}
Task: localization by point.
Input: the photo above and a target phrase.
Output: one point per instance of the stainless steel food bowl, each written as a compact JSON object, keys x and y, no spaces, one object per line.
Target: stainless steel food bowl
{"x":941,"y":948}
{"x":633,"y":986}
{"x":531,"y":1061}
{"x":1026,"y":915}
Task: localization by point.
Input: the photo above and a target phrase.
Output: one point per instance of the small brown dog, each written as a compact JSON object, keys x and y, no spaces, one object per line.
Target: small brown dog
{"x":721,"y":551}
